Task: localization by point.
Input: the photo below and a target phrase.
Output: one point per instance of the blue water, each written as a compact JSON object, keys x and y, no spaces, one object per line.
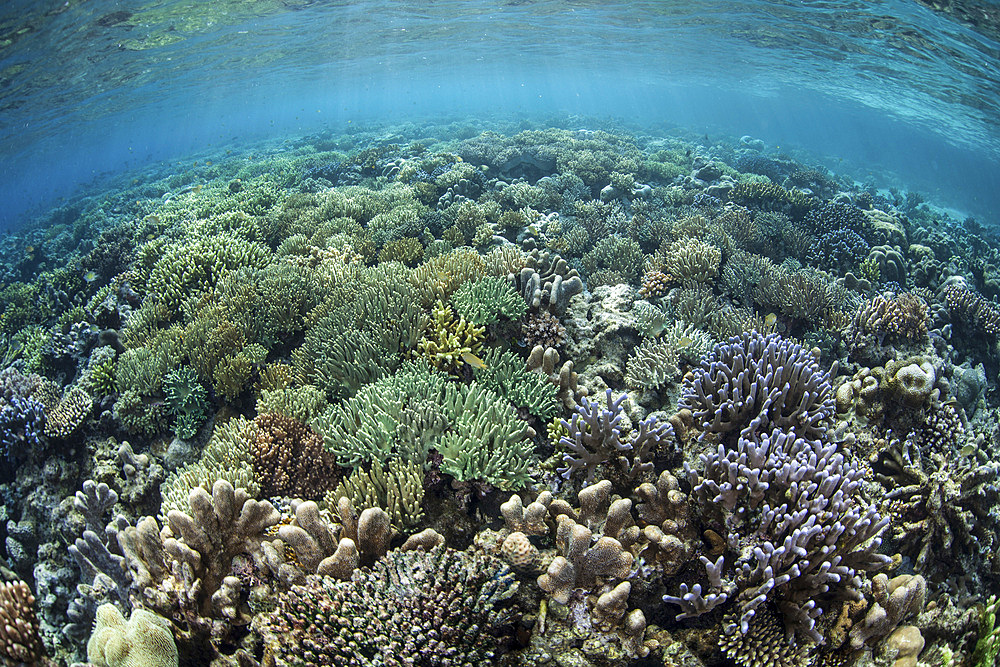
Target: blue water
{"x":890,"y":91}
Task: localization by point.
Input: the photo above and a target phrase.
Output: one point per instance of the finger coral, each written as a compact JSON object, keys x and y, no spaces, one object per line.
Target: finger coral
{"x":19,"y":640}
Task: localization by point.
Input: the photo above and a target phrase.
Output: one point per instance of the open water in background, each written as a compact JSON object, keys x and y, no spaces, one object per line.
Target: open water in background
{"x":879,"y":89}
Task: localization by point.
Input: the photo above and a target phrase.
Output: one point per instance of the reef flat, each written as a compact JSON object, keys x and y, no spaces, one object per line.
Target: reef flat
{"x":434,"y":395}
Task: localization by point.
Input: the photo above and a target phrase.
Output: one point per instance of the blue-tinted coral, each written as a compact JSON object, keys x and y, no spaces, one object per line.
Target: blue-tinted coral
{"x":22,"y":421}
{"x":755,"y":383}
{"x":841,"y":250}
{"x":833,"y":216}
{"x":595,"y":437}
{"x":784,"y":500}
{"x":798,"y":531}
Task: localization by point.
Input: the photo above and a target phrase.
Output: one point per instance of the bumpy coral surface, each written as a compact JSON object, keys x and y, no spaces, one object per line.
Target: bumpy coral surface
{"x":411,"y":608}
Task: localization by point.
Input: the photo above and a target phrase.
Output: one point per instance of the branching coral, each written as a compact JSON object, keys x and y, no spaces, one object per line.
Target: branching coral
{"x":791,"y":512}
{"x":412,"y":607}
{"x":486,"y":300}
{"x":360,"y":331}
{"x":686,"y":260}
{"x":887,"y":319}
{"x":19,"y":640}
{"x":185,"y":568}
{"x":755,"y":383}
{"x":407,"y":414}
{"x":289,"y":459}
{"x":449,"y":342}
{"x":595,"y":437}
{"x":397,"y":488}
{"x":972,"y":308}
{"x":506,"y":374}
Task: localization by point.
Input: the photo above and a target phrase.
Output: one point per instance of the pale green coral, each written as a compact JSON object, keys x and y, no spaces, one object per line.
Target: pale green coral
{"x":508,"y":375}
{"x":191,"y":268}
{"x":226,"y":456}
{"x":406,"y":414}
{"x":486,"y":300}
{"x":397,"y":488}
{"x":145,"y":640}
{"x":361,"y":331}
{"x":302,"y":404}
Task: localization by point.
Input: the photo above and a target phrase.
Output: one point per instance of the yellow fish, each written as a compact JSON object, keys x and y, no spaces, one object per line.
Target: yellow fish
{"x":473,"y":360}
{"x":770,"y":319}
{"x":684,"y":341}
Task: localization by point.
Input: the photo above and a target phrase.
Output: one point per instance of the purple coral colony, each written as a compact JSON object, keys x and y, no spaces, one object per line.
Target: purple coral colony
{"x":525,"y":397}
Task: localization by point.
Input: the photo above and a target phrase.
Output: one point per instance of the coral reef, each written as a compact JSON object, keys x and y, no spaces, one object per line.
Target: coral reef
{"x":361,"y":400}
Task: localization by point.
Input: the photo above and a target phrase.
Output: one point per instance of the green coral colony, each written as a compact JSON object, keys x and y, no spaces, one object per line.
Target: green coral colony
{"x":514,"y":397}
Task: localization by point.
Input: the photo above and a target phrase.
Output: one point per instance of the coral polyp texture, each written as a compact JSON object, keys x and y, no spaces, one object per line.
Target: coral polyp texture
{"x":411,"y":608}
{"x":467,"y":395}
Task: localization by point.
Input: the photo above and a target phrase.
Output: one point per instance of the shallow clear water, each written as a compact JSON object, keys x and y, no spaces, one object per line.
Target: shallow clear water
{"x":890,"y":87}
{"x":578,"y":333}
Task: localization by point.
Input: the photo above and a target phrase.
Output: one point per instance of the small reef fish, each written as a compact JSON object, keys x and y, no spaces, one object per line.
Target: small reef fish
{"x":473,"y":360}
{"x":684,"y":341}
{"x":90,"y":276}
{"x":770,"y":319}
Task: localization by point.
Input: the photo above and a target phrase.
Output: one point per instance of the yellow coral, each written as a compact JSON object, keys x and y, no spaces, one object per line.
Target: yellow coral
{"x":449,"y":341}
{"x":144,"y":641}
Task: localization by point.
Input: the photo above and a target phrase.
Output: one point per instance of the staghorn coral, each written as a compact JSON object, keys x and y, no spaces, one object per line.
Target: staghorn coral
{"x":506,"y":374}
{"x":755,"y":383}
{"x":802,"y":295}
{"x":653,"y":364}
{"x":972,"y":308}
{"x":447,"y":607}
{"x":686,"y":260}
{"x":439,"y":277}
{"x":405,"y":415}
{"x":449,"y":342}
{"x":788,"y":542}
{"x":594,"y":438}
{"x":303,"y":403}
{"x":840,"y":251}
{"x":289,"y":459}
{"x":613,"y":255}
{"x":67,"y":415}
{"x":486,"y":300}
{"x":888,"y":319}
{"x":944,"y":516}
{"x":397,"y":488}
